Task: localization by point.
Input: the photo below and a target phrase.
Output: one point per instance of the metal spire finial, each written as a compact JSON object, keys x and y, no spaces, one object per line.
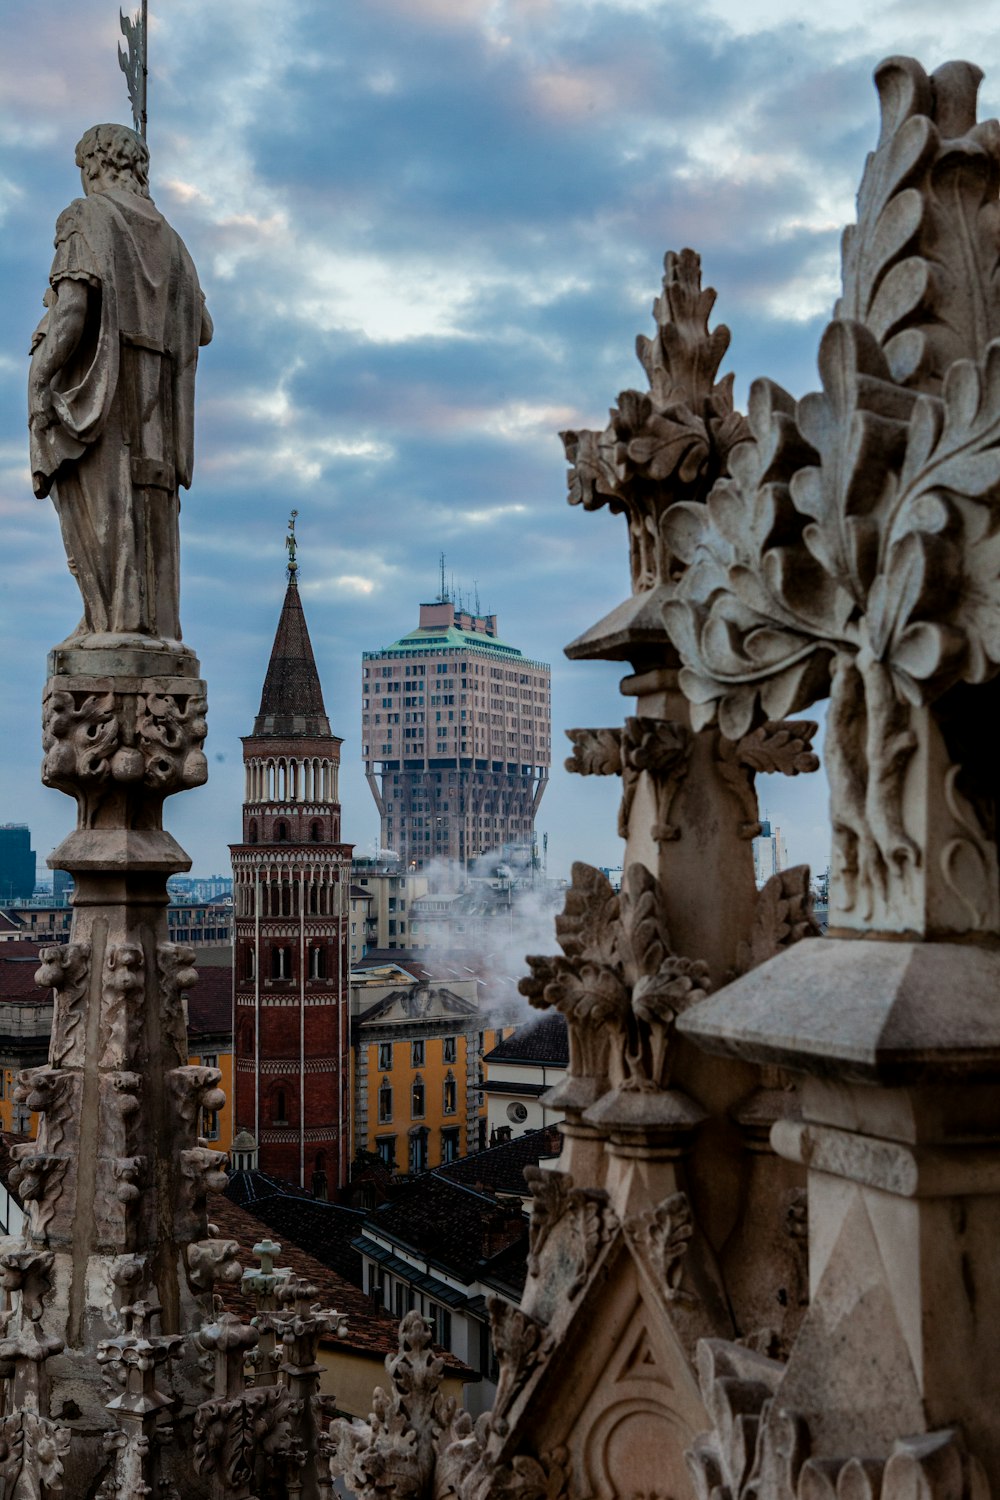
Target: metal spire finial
{"x":135,"y":64}
{"x":291,"y":545}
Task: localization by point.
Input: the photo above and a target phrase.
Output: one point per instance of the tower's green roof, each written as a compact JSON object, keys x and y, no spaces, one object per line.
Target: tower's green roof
{"x":431,"y":638}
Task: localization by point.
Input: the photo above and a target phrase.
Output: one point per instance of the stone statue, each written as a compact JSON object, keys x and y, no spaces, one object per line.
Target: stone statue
{"x":111,"y":391}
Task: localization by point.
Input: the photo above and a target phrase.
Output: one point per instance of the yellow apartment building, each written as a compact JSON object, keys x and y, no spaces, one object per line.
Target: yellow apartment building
{"x":417,"y":1075}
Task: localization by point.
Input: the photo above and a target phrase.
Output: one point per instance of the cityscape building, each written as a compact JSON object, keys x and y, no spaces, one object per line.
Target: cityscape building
{"x":17,"y":862}
{"x":417,"y":1075}
{"x":291,"y":879}
{"x":769,"y":852}
{"x":456,"y":738}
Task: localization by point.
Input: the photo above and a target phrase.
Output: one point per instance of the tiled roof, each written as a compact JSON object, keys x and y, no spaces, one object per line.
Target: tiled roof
{"x":18,"y":965}
{"x":210,"y":1001}
{"x":451,"y":1226}
{"x":542,"y":1041}
{"x":501,"y":1169}
{"x":370,"y":1330}
{"x":292,"y":700}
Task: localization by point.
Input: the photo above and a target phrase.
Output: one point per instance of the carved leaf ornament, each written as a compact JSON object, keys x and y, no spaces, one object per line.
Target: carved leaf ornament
{"x":854,"y":548}
{"x":619,"y":978}
{"x":672,"y":443}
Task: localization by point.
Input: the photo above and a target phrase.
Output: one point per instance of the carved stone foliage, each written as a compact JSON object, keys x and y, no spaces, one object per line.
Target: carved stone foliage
{"x":784,"y":748}
{"x":113,"y":732}
{"x":783,"y":916}
{"x":33,"y":1454}
{"x":853,"y":550}
{"x":660,"y":746}
{"x":671,"y":444}
{"x":619,"y":985}
{"x":758,"y":1448}
{"x":663,"y":1235}
{"x":393,"y":1455}
{"x":66,"y":969}
{"x":175,"y":963}
{"x":587,"y":1219}
{"x":123,"y":987}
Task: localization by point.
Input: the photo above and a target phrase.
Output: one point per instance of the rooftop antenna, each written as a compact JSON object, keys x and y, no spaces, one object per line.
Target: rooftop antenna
{"x":442,"y":595}
{"x":475,"y":584}
{"x":291,"y":546}
{"x":135,"y":64}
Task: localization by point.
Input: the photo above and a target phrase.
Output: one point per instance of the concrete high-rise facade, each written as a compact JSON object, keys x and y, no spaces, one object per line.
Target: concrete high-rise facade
{"x":291,"y":877}
{"x":456,"y":736}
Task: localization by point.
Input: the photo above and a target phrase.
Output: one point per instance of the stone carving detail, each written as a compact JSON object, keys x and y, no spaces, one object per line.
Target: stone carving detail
{"x":783,"y":747}
{"x":521,"y":1344}
{"x":237,"y":1428}
{"x":175,"y":963}
{"x":88,"y":742}
{"x":588,"y":1210}
{"x":133,"y":1359}
{"x":52,"y":1093}
{"x":784,"y":916}
{"x":393,"y":1455}
{"x":170,"y":731}
{"x":123,"y":985}
{"x":66,"y":969}
{"x":664,"y":1234}
{"x":551,"y":1197}
{"x":210,"y":1261}
{"x":39,"y":1180}
{"x":202,"y":1172}
{"x":758,"y":1448}
{"x":851,"y":549}
{"x":33,"y":1453}
{"x":28,"y":1271}
{"x":660,"y":746}
{"x":619,"y":985}
{"x":671,"y":444}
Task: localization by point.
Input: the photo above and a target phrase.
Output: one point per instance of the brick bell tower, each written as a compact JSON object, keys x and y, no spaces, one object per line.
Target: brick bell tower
{"x":291,"y":878}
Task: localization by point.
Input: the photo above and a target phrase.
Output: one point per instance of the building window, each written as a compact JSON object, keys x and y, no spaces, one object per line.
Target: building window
{"x":404,"y":1299}
{"x":317,"y":963}
{"x":385,"y":1057}
{"x":450,"y":1093}
{"x":281,"y":832}
{"x":385,"y":1101}
{"x":418,"y":1151}
{"x":450,"y":1145}
{"x":281,"y":963}
{"x":449,"y":1048}
{"x":417,"y":1055}
{"x":316,"y":832}
{"x":417,"y":1100}
{"x":210,"y":1124}
{"x":440,"y":1321}
{"x":279,"y":1114}
{"x":385,"y":1147}
{"x":252,"y":832}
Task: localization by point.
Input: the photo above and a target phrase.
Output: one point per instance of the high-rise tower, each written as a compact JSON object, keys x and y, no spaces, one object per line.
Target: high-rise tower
{"x":456,"y":735}
{"x":290,"y":898}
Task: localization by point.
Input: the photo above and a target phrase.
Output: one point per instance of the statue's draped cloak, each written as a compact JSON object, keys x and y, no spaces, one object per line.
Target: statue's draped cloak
{"x":124,"y":439}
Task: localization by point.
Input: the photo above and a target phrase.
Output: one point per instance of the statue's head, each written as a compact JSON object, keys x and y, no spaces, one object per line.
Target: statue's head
{"x":112,"y":156}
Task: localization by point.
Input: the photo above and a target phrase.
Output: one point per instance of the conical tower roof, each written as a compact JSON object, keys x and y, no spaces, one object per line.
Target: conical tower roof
{"x":292,"y":700}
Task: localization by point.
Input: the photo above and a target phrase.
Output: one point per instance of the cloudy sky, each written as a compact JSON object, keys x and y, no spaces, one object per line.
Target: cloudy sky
{"x":429,"y":231}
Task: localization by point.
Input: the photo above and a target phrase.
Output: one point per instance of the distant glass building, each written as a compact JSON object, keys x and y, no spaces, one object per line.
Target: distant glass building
{"x":456,"y":737}
{"x":17,"y":862}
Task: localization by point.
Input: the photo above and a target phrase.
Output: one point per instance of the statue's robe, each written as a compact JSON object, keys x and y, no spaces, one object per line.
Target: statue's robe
{"x":124,"y":439}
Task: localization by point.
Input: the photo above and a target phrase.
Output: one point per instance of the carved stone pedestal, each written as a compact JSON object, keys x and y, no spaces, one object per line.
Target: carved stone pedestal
{"x":900,"y":1133}
{"x":116,"y":1182}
